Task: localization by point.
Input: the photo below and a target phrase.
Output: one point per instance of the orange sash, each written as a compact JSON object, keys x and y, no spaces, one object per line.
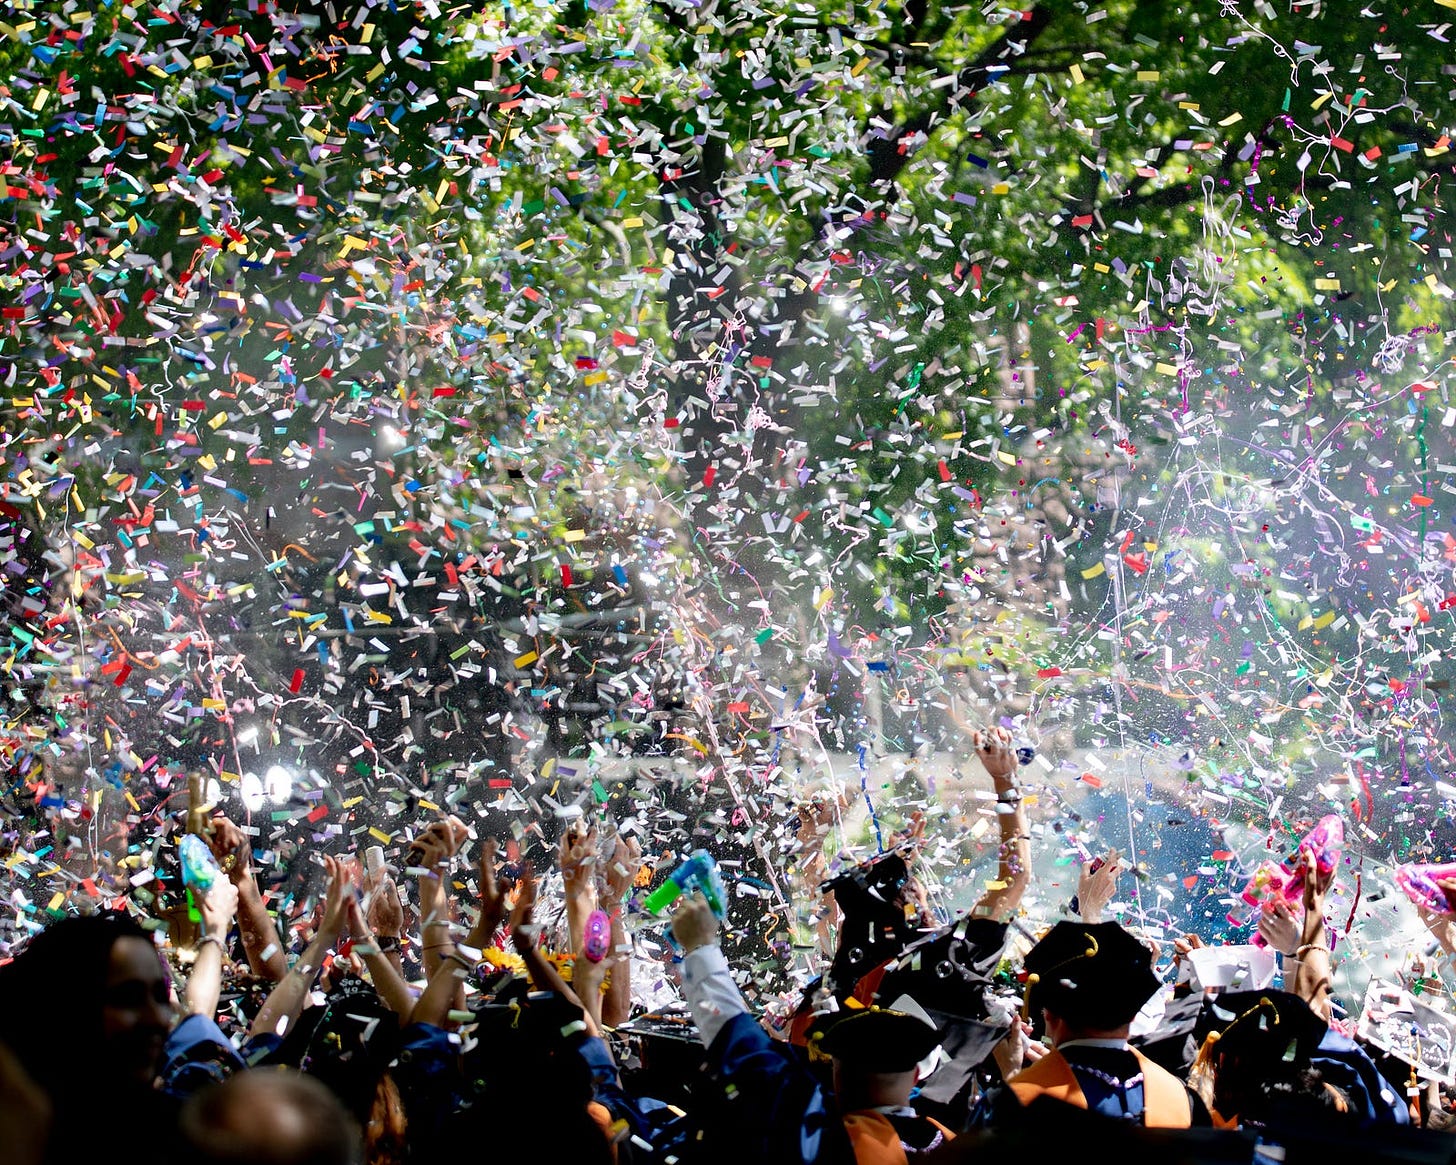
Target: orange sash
{"x":1165,"y":1100}
{"x":875,"y":1140}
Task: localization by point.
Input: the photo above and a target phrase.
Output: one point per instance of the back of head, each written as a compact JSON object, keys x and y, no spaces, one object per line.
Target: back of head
{"x":1260,"y":1056}
{"x":269,"y":1117}
{"x":1095,"y":976}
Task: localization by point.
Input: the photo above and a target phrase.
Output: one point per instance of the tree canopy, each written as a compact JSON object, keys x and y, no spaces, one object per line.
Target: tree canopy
{"x":448,"y":401}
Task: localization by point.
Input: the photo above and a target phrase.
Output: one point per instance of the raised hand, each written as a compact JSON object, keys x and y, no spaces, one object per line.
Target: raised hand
{"x":218,"y":908}
{"x":386,"y":910}
{"x":1097,"y":885}
{"x":1279,"y":927}
{"x":492,"y":899}
{"x":818,"y":815}
{"x":1182,"y":947}
{"x":620,"y":871}
{"x":231,"y":848}
{"x":912,"y":837}
{"x":1316,"y":884}
{"x":694,"y":924}
{"x":360,"y":930}
{"x":436,"y":842}
{"x":993,"y":749}
{"x":1015,"y":1048}
{"x":577,"y":858}
{"x":337,"y":894}
{"x":1447,"y":886}
{"x":523,"y":933}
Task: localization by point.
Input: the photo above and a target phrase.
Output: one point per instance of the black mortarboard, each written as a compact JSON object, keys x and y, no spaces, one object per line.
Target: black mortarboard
{"x":873,"y":926}
{"x":966,"y":1043}
{"x":875,"y":1039}
{"x":1093,"y":975}
{"x":1175,"y":1041}
{"x":1268,"y":1027}
{"x":949,"y":970}
{"x":949,"y":973}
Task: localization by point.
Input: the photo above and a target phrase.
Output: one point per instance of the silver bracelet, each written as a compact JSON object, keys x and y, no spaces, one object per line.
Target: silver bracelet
{"x":211,"y":938}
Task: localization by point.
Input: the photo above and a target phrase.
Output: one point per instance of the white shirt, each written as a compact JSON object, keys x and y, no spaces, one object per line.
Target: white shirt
{"x":708,"y":988}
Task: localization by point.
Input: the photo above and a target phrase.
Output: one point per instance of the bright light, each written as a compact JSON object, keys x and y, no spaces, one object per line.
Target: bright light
{"x":278,"y":784}
{"x":838,"y":304}
{"x":251,"y":789}
{"x":388,"y":439}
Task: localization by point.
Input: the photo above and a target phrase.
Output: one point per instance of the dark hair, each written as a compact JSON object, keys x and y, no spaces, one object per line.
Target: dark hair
{"x":1262,"y":1094}
{"x":51,"y":995}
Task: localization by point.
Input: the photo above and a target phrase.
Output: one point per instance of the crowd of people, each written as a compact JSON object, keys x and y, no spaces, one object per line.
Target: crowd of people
{"x":382,"y":1027}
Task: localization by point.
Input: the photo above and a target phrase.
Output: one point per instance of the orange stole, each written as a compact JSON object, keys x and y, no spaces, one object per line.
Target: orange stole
{"x":601,"y":1116}
{"x":875,"y":1140}
{"x":1165,"y":1101}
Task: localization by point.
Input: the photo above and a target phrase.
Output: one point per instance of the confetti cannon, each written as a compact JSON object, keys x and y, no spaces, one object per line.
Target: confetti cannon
{"x":1418,"y":882}
{"x":1270,"y":881}
{"x":699,"y":872}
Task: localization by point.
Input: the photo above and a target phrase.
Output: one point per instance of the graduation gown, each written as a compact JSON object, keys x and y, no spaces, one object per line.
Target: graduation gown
{"x":757,"y":1104}
{"x":1160,"y":1099}
{"x":879,"y":1138}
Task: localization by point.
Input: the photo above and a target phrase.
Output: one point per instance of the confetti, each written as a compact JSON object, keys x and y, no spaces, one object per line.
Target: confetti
{"x":411,"y":406}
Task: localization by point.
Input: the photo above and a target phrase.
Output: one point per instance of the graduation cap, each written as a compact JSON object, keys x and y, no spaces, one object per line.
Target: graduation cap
{"x":949,"y":971}
{"x":1266,"y":1028}
{"x":1093,"y":975}
{"x":1397,"y":1024}
{"x":966,"y":1044}
{"x":1237,"y":968}
{"x":877,"y":1039}
{"x":521,"y":1034}
{"x":1175,"y":1039}
{"x":660,"y":1054}
{"x":873,"y":926}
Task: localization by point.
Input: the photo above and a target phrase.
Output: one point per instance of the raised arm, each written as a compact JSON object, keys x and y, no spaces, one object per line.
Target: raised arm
{"x":383,"y":969}
{"x":1443,"y":926}
{"x":1097,"y":886}
{"x":1280,"y":927}
{"x":285,"y":1001}
{"x":430,"y":856}
{"x":492,"y":898}
{"x":382,"y":915}
{"x":816,"y":817}
{"x":1312,"y":973}
{"x":234,"y":853}
{"x":204,"y":984}
{"x":578,"y":860}
{"x":526,"y":938}
{"x":1013,"y":872}
{"x":614,"y":885}
{"x":708,"y":987}
{"x":440,"y":994}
